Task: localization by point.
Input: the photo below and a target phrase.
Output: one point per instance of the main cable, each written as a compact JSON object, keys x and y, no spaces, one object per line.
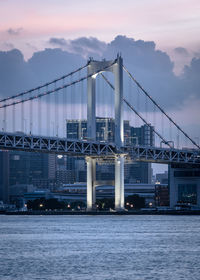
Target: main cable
{"x":58,"y":88}
{"x":44,"y":85}
{"x":157,"y":105}
{"x":133,"y":109}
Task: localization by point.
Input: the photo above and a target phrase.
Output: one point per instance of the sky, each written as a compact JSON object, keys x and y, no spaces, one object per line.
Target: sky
{"x":159,"y":40}
{"x":28,"y":25}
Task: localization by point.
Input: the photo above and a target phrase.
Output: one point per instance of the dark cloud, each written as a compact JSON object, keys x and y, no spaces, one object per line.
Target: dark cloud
{"x":151,"y":67}
{"x":14,"y":73}
{"x":51,"y":63}
{"x":181,"y":51}
{"x":190,"y":78}
{"x":60,"y":42}
{"x":14,"y":31}
{"x":88,"y":46}
{"x":83,"y":46}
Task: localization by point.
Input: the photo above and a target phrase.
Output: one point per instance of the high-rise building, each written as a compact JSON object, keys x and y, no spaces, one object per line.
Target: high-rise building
{"x":37,"y":169}
{"x":143,"y":135}
{"x":162,"y":178}
{"x":137,"y":172}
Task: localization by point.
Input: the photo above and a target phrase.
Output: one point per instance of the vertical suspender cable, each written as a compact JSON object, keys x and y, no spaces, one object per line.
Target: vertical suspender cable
{"x":54,"y":116}
{"x":22,"y":116}
{"x":4,"y":118}
{"x":178,"y":138}
{"x":13,"y":116}
{"x":74,"y":101}
{"x":154,"y":120}
{"x":70,"y":100}
{"x":138,"y":106}
{"x":31,"y":116}
{"x":39,"y":113}
{"x":162,"y":124}
{"x":63,"y":108}
{"x":146,"y":109}
{"x":82,"y":95}
{"x":170,"y":131}
{"x":48,"y":106}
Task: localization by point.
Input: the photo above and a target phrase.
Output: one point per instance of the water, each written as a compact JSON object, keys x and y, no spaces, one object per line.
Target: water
{"x":99,"y":247}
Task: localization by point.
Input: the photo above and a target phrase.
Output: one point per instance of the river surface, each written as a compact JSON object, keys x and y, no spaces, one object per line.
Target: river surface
{"x":99,"y":247}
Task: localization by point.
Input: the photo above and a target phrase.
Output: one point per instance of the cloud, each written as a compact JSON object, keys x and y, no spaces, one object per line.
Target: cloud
{"x":181,"y":51}
{"x":31,"y":47}
{"x":190,"y":79}
{"x":151,"y":67}
{"x":15,"y":31}
{"x":88,"y":46}
{"x":51,"y":63}
{"x":83,"y":46}
{"x":14,"y":73}
{"x":9,"y":45}
{"x":61,"y":42}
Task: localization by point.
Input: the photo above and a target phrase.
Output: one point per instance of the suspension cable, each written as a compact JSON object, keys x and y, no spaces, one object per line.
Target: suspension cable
{"x":44,"y":85}
{"x":133,"y":109}
{"x":169,"y":118}
{"x":58,"y":88}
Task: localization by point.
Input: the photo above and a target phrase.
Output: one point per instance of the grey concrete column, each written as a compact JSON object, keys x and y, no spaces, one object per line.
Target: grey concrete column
{"x":91,"y":178}
{"x":119,"y":124}
{"x":119,"y":183}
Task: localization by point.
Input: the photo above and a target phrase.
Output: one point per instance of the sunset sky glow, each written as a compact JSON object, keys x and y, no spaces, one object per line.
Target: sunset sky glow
{"x":28,"y":25}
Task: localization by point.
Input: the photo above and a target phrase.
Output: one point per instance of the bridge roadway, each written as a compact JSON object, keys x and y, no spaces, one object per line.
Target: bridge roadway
{"x":73,"y":147}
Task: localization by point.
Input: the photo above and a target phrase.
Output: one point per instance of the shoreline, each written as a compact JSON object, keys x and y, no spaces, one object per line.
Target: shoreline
{"x":97,"y":213}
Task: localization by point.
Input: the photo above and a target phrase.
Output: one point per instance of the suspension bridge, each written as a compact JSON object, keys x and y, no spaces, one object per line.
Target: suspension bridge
{"x":35,"y":120}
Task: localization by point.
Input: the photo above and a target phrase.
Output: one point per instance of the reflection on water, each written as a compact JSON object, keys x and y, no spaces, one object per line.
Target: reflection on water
{"x":99,"y":247}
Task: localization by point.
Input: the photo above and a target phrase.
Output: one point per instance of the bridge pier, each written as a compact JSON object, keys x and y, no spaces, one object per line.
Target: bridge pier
{"x":91,"y":178}
{"x":116,"y":67}
{"x":119,"y":183}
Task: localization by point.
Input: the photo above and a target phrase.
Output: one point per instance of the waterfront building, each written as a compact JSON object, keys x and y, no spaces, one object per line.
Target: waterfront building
{"x":75,"y":192}
{"x":184,"y":186}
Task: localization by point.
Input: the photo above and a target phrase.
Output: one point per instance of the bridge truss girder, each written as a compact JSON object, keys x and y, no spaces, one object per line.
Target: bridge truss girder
{"x":163,"y":155}
{"x":106,"y":151}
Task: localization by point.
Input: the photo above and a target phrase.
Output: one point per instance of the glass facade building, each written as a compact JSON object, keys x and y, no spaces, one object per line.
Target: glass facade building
{"x":187,"y":193}
{"x":137,"y":172}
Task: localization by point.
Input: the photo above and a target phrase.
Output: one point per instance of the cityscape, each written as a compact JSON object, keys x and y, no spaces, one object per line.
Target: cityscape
{"x":31,"y":175}
{"x":99,"y":140}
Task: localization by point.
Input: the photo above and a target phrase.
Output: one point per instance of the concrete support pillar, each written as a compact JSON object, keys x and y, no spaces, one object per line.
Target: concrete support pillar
{"x":119,"y":183}
{"x":91,"y":178}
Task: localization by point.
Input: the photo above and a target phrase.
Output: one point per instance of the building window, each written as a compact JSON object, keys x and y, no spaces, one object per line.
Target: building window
{"x":187,"y":193}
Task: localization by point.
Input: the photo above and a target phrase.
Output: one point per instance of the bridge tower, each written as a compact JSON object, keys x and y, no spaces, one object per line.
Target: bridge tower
{"x":116,"y":67}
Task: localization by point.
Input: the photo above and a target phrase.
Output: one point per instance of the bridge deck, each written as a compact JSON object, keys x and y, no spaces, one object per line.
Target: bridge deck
{"x":30,"y":143}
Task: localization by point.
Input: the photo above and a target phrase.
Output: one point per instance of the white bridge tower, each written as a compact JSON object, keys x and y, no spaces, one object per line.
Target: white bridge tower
{"x":116,"y":67}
